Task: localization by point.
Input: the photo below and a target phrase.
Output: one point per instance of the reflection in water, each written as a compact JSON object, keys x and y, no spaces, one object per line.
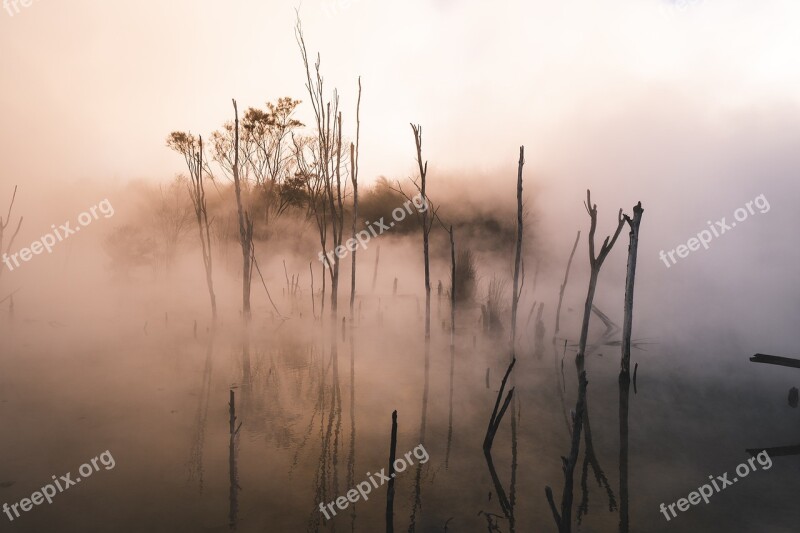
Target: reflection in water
{"x":326,"y":482}
{"x":232,"y":453}
{"x":196,"y":470}
{"x":351,"y":456}
{"x":422,"y":426}
{"x":589,"y":458}
{"x":506,"y":505}
{"x":624,"y":396}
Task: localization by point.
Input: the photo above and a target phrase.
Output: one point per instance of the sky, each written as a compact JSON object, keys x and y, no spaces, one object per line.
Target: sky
{"x":99,"y":85}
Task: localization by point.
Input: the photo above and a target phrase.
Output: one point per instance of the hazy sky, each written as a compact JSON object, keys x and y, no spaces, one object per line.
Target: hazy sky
{"x":91,"y":88}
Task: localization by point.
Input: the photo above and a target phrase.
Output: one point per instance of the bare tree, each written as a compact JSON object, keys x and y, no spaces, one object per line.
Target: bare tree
{"x":245,"y":223}
{"x":327,"y":163}
{"x":564,"y":518}
{"x":625,"y":366}
{"x":192,"y":151}
{"x":426,"y":220}
{"x":4,"y":225}
{"x":354,"y":178}
{"x":517,"y":290}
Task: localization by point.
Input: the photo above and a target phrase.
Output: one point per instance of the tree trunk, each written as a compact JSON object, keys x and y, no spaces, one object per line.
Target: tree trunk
{"x":625,"y":368}
{"x":245,"y":224}
{"x":518,"y":255}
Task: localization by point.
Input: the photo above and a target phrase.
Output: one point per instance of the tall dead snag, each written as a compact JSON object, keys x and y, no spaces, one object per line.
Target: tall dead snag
{"x":337,"y":215}
{"x":3,"y":225}
{"x":595,"y":262}
{"x":354,"y":179}
{"x":427,"y":223}
{"x":390,"y":490}
{"x":326,"y":153}
{"x":452,"y":343}
{"x":245,"y":223}
{"x":518,"y":256}
{"x":625,"y":366}
{"x":564,"y":518}
{"x":192,"y":151}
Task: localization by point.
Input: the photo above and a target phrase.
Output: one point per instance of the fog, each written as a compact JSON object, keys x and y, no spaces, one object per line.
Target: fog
{"x":107,"y":338}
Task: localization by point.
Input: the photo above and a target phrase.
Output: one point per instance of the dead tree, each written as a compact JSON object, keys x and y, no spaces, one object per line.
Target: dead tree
{"x":452,"y":342}
{"x":3,"y":226}
{"x":517,"y":290}
{"x":427,"y":223}
{"x":192,"y":151}
{"x":390,"y":490}
{"x":328,"y":161}
{"x":426,"y":219}
{"x":337,"y":214}
{"x":227,"y":152}
{"x":564,"y":518}
{"x":245,"y":224}
{"x":625,"y":366}
{"x":354,"y":179}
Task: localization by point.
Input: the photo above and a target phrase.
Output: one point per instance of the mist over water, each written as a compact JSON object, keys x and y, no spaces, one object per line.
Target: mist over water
{"x":107,"y":340}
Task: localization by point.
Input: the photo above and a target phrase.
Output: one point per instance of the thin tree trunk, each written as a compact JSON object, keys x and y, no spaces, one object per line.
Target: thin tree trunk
{"x":354,"y":179}
{"x":564,"y":285}
{"x":245,"y":224}
{"x":625,"y":367}
{"x":390,"y":490}
{"x":338,"y":218}
{"x":233,"y":474}
{"x":3,"y":225}
{"x":452,"y":344}
{"x":206,"y":253}
{"x":423,"y":171}
{"x":596,"y":262}
{"x":518,"y":255}
{"x":313,"y":303}
{"x":375,"y":272}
